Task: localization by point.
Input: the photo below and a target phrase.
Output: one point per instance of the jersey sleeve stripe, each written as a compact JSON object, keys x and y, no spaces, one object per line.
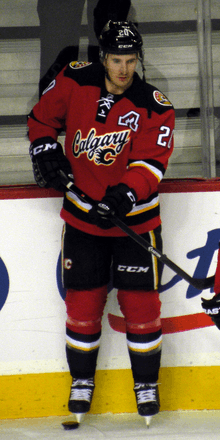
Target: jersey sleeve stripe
{"x":138,"y":209}
{"x":144,"y":211}
{"x":154,"y":170}
{"x":78,"y":202}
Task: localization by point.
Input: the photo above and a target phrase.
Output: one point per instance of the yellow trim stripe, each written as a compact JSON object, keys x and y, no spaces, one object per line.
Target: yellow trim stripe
{"x":78,"y":345}
{"x":145,"y":347}
{"x":77,"y":202}
{"x":136,"y":210}
{"x":62,"y":251}
{"x":155,"y":171}
{"x":154,"y":260}
{"x":145,"y":207}
{"x":181,"y":388}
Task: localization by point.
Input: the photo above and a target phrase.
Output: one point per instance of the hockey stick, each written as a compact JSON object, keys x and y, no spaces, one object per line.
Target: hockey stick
{"x":198,"y":283}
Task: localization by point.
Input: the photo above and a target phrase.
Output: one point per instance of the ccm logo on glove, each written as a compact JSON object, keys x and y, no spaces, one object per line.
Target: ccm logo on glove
{"x":48,"y":159}
{"x":41,"y":148}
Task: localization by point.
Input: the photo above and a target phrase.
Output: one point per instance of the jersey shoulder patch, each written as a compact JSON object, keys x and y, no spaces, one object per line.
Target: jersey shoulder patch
{"x":79,"y":64}
{"x":158,"y":102}
{"x":85,"y":73}
{"x":161,"y":98}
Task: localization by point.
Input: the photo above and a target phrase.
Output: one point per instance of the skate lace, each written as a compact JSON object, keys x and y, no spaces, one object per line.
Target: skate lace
{"x":146,"y":395}
{"x":82,"y":389}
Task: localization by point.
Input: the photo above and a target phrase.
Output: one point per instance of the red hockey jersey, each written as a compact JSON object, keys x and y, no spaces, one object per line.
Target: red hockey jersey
{"x":108,"y":139}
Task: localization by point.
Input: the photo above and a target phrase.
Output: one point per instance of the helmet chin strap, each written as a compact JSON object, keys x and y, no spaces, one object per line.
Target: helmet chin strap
{"x":143,"y":69}
{"x":104,"y":57}
{"x":141,"y":59}
{"x":107,"y":75}
{"x":109,"y":80}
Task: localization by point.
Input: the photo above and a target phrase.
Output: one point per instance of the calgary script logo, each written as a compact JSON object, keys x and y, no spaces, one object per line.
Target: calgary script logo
{"x":175,"y":324}
{"x":103,"y":149}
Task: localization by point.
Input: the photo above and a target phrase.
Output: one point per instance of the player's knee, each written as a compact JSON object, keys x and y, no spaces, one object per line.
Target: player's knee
{"x":139,"y":306}
{"x":86,"y":305}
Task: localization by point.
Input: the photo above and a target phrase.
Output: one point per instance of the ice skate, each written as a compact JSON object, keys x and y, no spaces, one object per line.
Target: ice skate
{"x":147,"y":397}
{"x":81,"y":397}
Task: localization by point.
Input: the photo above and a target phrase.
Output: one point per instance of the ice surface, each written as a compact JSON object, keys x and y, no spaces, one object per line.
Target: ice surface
{"x":176,"y":425}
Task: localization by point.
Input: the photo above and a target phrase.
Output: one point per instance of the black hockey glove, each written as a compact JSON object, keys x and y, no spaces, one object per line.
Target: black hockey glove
{"x":118,"y":200}
{"x":47,"y":157}
{"x":212,"y":308}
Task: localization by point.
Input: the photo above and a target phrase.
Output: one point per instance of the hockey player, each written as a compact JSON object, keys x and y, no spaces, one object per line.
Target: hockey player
{"x":119,"y":137}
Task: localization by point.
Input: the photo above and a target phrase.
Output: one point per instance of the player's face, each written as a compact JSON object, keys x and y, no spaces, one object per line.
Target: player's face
{"x":120,"y":71}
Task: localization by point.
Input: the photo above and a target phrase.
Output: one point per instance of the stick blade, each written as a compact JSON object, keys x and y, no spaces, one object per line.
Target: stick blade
{"x":203,"y":283}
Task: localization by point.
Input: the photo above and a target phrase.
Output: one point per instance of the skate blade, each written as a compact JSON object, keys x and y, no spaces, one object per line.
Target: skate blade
{"x":148,"y":420}
{"x":79,"y":417}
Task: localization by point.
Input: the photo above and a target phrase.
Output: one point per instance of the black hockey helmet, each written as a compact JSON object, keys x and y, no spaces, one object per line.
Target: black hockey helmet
{"x":120,"y":37}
